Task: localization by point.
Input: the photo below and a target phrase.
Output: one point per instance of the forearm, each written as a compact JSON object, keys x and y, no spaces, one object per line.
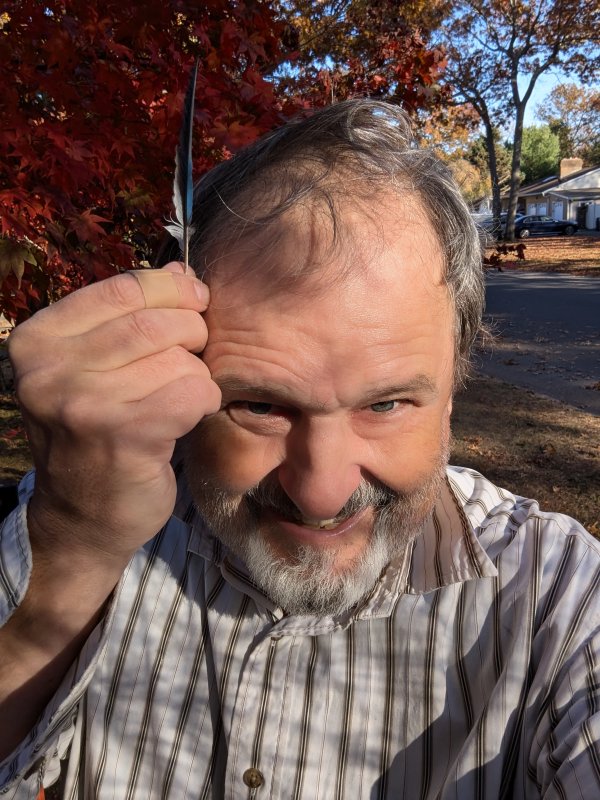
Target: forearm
{"x":65,"y":598}
{"x":107,"y":384}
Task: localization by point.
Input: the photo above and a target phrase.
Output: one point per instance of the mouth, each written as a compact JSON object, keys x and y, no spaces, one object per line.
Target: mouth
{"x":321,"y":524}
{"x":311,"y":529}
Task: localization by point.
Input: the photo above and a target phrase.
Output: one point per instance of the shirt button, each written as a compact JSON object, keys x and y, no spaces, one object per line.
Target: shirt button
{"x":253,"y":778}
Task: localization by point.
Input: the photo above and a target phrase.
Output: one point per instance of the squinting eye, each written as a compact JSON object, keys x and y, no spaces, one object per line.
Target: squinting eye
{"x":385,"y":405}
{"x":259,"y":408}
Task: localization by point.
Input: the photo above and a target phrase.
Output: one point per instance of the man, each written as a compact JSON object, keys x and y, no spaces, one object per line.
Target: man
{"x":329,"y":611}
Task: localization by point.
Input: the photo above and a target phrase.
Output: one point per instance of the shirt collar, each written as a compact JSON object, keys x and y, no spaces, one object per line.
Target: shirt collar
{"x":446,"y":552}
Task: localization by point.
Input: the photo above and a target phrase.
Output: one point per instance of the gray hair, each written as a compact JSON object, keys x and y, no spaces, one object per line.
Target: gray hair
{"x":304,"y":161}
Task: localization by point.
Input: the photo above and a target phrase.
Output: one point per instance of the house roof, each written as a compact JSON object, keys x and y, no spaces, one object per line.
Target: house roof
{"x":574,"y":194}
{"x":554,"y":182}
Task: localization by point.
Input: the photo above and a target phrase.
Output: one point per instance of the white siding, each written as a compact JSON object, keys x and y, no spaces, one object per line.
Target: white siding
{"x":591,"y":180}
{"x":593,"y":213}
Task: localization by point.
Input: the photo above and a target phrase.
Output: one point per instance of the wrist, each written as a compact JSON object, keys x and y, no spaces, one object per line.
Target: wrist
{"x":68,"y":544}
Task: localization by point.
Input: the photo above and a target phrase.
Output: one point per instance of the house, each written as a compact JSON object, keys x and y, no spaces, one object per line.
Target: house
{"x":572,"y":194}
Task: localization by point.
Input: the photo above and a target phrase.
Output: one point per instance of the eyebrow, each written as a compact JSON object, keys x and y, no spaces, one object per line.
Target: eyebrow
{"x":420,"y":384}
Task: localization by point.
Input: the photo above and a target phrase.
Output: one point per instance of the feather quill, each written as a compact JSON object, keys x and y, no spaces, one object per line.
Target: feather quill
{"x":183,"y":185}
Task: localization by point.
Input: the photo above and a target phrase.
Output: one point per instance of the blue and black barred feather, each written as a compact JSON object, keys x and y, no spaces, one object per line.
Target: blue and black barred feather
{"x":183,"y":185}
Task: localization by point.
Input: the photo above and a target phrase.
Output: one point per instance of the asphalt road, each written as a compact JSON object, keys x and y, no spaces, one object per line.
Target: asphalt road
{"x":547,"y":335}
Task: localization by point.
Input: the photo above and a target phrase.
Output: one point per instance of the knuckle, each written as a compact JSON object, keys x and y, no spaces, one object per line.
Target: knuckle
{"x":16,"y":346}
{"x":215,"y":399}
{"x":35,"y":390}
{"x":190,"y":327}
{"x":75,"y":413}
{"x":145,"y":325}
{"x":193,"y":388}
{"x":59,"y":400}
{"x":203,"y":370}
{"x":202,"y":334}
{"x":22,"y":343}
{"x":175,"y":361}
{"x":28,"y":390}
{"x":122,"y":291}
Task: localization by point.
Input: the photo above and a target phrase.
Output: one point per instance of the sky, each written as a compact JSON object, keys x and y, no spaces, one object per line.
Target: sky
{"x":543,"y":87}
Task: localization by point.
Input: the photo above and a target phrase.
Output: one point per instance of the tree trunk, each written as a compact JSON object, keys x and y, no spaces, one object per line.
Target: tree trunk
{"x":493,"y":168}
{"x":515,"y":174}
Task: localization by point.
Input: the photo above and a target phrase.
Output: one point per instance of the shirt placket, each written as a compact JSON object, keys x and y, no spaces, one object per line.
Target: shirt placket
{"x":256,"y":730}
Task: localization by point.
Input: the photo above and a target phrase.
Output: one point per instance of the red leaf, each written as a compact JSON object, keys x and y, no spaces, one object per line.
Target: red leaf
{"x":86,"y":225}
{"x":89,"y":119}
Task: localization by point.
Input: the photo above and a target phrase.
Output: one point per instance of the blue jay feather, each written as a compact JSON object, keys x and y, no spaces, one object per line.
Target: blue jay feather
{"x":183,"y":185}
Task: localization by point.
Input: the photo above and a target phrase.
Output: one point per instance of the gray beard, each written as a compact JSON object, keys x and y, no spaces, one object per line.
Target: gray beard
{"x":306,"y":582}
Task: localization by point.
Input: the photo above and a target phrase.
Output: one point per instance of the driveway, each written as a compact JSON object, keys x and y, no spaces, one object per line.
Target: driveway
{"x":547,"y":329}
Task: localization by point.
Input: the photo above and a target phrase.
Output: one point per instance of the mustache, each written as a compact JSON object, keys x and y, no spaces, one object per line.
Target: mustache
{"x":270,"y":496}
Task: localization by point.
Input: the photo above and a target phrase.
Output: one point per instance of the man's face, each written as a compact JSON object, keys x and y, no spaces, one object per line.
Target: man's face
{"x":329,"y":450}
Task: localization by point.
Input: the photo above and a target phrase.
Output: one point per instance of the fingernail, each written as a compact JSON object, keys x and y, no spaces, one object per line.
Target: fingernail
{"x":202,"y":292}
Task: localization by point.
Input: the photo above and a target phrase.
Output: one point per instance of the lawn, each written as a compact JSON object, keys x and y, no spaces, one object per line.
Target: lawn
{"x":531,"y":445}
{"x":577,"y":255}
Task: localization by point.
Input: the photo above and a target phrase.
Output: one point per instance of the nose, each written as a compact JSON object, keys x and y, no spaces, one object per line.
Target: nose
{"x":321,"y":469}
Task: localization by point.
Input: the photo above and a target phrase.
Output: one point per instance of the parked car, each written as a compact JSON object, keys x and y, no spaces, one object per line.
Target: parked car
{"x":486,"y":221}
{"x":531,"y":224}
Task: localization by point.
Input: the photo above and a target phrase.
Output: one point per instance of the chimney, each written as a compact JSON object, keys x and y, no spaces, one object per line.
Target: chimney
{"x":568,"y":166}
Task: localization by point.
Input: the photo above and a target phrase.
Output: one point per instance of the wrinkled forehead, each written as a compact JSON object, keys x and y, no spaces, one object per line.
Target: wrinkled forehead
{"x":319,"y":242}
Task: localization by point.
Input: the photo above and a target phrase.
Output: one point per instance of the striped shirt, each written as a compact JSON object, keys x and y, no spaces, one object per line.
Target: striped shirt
{"x":471,"y":671}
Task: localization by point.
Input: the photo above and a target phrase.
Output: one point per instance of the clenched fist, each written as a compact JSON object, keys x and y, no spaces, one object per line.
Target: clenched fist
{"x":108,"y":378}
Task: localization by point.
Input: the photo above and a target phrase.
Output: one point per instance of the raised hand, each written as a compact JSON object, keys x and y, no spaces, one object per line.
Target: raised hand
{"x":108,"y":378}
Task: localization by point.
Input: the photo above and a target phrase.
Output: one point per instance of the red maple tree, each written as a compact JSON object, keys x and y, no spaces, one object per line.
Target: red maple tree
{"x":378,"y":48}
{"x":90,"y":110}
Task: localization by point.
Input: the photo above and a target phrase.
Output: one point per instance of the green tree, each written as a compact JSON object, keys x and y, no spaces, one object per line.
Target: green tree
{"x":477,"y":154}
{"x":540,"y":153}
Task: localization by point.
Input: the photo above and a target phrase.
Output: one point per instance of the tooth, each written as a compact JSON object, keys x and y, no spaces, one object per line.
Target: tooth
{"x":320,"y":523}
